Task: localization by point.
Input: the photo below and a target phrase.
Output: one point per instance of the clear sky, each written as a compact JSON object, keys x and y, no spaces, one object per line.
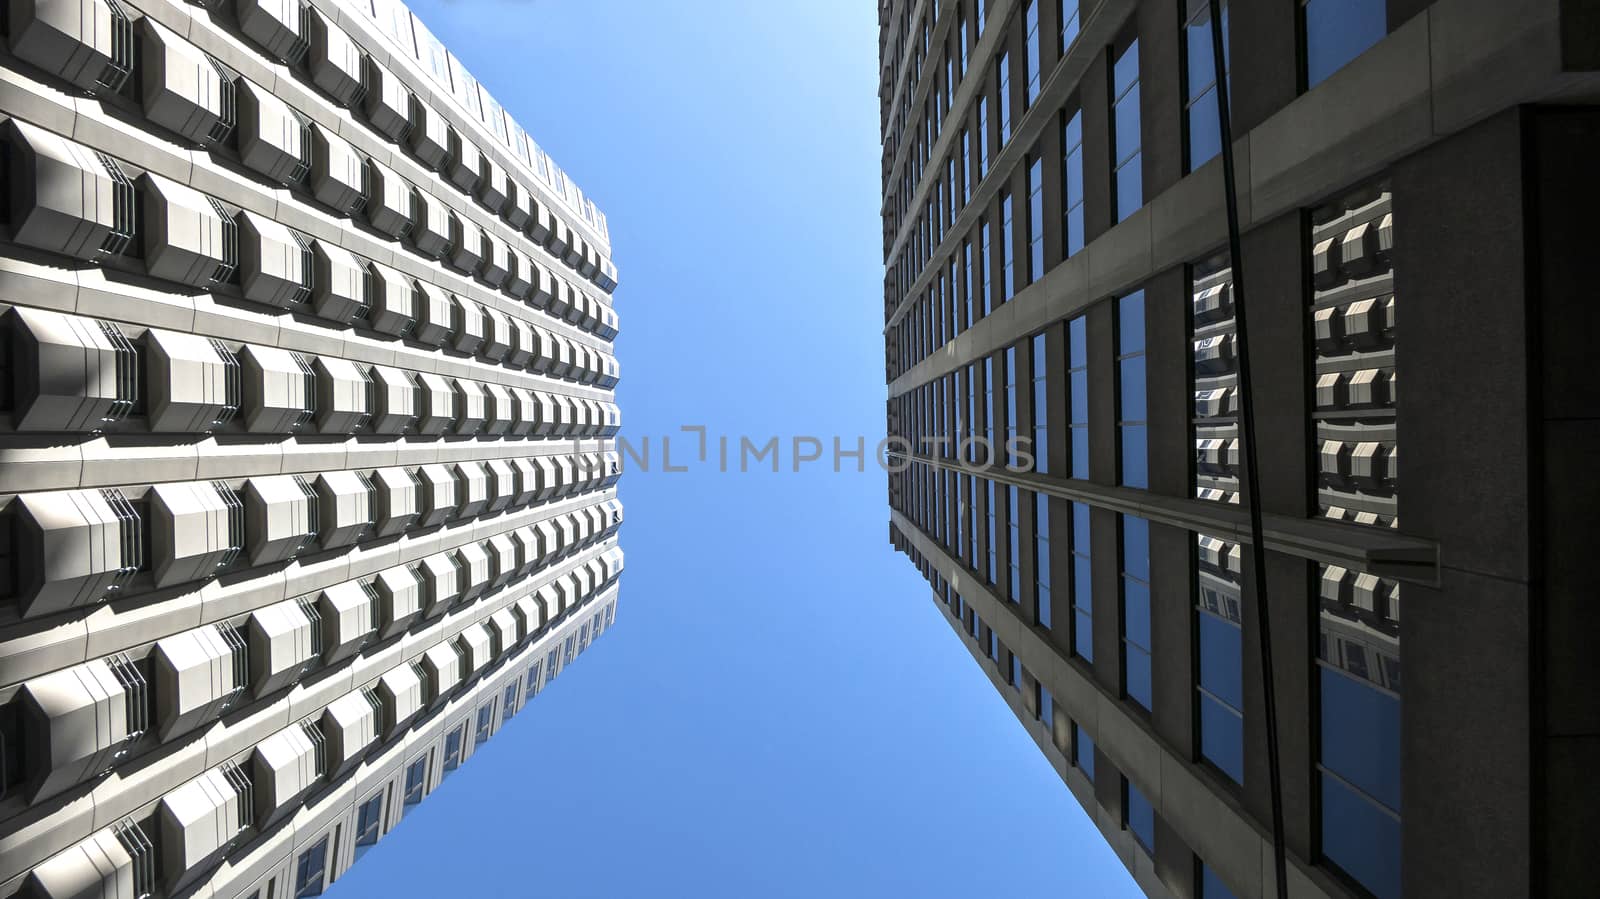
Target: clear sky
{"x":780,"y":710}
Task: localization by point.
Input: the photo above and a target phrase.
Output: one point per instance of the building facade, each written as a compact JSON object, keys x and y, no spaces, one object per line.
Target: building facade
{"x":1061,"y":366}
{"x":300,"y":330}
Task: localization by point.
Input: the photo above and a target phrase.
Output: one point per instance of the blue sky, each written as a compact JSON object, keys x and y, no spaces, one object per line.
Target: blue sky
{"x":780,"y":710}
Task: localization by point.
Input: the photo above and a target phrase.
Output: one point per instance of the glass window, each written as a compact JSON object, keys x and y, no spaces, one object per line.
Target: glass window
{"x":1082,"y":589}
{"x":416,"y":783}
{"x":309,"y":870}
{"x":1008,"y":271}
{"x":990,"y":573}
{"x":1030,"y":23}
{"x":1041,"y":558}
{"x":983,"y":137}
{"x":485,"y":720}
{"x":983,"y":265}
{"x":1337,"y":31}
{"x":1002,"y":77}
{"x":1136,"y":609}
{"x":1009,"y":435}
{"x":1014,"y":541}
{"x":1131,"y":391}
{"x":1083,"y":751}
{"x":1139,"y":816}
{"x":533,"y":680}
{"x":1016,"y":671}
{"x":1200,"y":79}
{"x":369,"y":824}
{"x":452,"y":749}
{"x":1359,"y":688}
{"x":1035,"y":219}
{"x":1078,"y":398}
{"x":966,"y":284}
{"x":1127,"y":178}
{"x":961,"y":40}
{"x":1220,"y":684}
{"x":1047,"y":707}
{"x":1072,"y":182}
{"x":1216,"y":388}
{"x":1067,"y":15}
{"x":1041,"y":405}
{"x":509,"y":700}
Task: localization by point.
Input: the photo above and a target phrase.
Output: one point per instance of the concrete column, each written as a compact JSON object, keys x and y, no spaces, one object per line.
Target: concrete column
{"x":1094,"y":92}
{"x":1161,"y":95}
{"x":1276,"y":296}
{"x":1267,"y":78}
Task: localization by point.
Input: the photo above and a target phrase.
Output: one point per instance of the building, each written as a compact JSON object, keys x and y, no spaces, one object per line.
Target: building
{"x":1056,"y":269}
{"x":300,"y":326}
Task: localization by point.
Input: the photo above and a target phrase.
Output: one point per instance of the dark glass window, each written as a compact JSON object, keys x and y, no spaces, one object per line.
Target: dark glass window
{"x":1200,"y":80}
{"x":369,"y":824}
{"x":1126,"y":167}
{"x":1082,"y":587}
{"x":416,"y":783}
{"x":1211,"y":886}
{"x":1014,"y":541}
{"x":1008,"y":269}
{"x":983,"y":137}
{"x":1041,"y":406}
{"x":1337,"y":31}
{"x":1139,"y":816}
{"x":1030,"y":24}
{"x":1078,"y":399}
{"x":1220,"y":684}
{"x":485,"y":720}
{"x":452,"y":749}
{"x":1041,"y":558}
{"x":1072,"y":182}
{"x":1002,"y":76}
{"x":1083,"y":751}
{"x":1358,"y":662}
{"x":1136,"y":609}
{"x":1035,"y":219}
{"x":1131,"y":390}
{"x":983,"y":265}
{"x":309,"y":870}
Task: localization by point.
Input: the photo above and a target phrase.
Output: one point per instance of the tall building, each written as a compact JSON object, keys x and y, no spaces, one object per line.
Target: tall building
{"x":1416,"y":192}
{"x":300,"y":327}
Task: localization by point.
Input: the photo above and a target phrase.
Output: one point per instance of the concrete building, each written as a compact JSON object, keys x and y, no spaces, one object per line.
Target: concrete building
{"x":299,"y":326}
{"x":1417,"y":196}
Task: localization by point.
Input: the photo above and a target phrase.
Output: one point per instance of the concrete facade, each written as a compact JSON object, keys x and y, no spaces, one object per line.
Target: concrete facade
{"x":1411,"y":213}
{"x":300,"y":328}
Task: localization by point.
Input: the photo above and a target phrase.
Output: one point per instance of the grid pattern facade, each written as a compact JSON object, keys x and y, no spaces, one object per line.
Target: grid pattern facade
{"x":302,"y":337}
{"x":1053,"y":210}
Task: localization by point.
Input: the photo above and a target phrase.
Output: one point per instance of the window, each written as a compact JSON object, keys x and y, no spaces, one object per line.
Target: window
{"x":1035,"y":218}
{"x":994,"y":646}
{"x":961,"y":39}
{"x":1078,"y":398}
{"x":983,"y":266}
{"x":508,"y":702}
{"x":1358,"y":669}
{"x":1041,"y":405}
{"x":1136,"y":609}
{"x":1014,"y":540}
{"x":1203,"y":130}
{"x":1220,"y":642}
{"x":1127,"y":184}
{"x":1041,"y":559}
{"x":1138,"y":816}
{"x":1006,"y":435}
{"x":1083,"y":751}
{"x":1082,"y":587}
{"x":966,"y":170}
{"x":1016,"y":671}
{"x":369,"y":824}
{"x":1008,"y":271}
{"x":1131,"y":391}
{"x":1002,"y":78}
{"x":990,"y":572}
{"x":1211,"y":886}
{"x":1071,"y":183}
{"x":309,"y":870}
{"x":1046,"y":709}
{"x":966,"y":283}
{"x":1337,"y":31}
{"x":1067,"y":15}
{"x":983,"y":137}
{"x":485,"y":720}
{"x":1030,"y":20}
{"x":533,"y":680}
{"x":416,"y":783}
{"x":452,"y":749}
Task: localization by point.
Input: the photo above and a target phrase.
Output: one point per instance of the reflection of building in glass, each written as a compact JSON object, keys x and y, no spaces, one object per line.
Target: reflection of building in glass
{"x":298,"y":324}
{"x":1390,"y":154}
